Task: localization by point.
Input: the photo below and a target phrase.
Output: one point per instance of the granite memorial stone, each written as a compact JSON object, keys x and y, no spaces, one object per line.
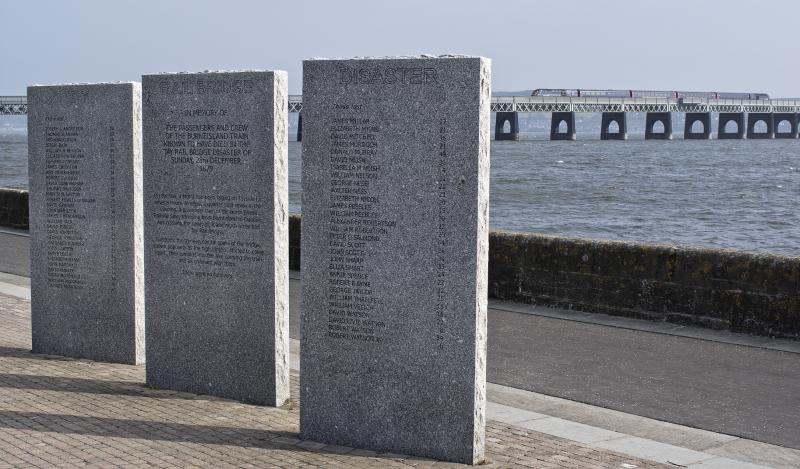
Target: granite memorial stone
{"x":216,"y":234}
{"x":84,"y":159}
{"x":394,"y":264}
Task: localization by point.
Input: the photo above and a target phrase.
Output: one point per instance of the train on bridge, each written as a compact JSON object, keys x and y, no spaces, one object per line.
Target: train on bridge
{"x":579,"y":93}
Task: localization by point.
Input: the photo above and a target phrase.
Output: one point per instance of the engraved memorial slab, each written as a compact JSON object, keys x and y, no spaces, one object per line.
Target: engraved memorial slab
{"x":394,"y":263}
{"x":216,"y":234}
{"x":84,"y":160}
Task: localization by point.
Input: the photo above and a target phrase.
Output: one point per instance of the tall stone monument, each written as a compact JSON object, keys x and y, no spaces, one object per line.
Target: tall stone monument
{"x":85,"y":179}
{"x":216,"y":234}
{"x":394,"y":263}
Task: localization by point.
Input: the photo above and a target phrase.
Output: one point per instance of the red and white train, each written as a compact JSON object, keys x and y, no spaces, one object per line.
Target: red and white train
{"x":646,"y":94}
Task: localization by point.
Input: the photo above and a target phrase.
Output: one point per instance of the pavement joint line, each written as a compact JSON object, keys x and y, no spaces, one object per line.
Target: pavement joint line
{"x":625,"y":444}
{"x":719,"y":462}
{"x":655,"y":451}
{"x":14,"y":233}
{"x":574,"y":431}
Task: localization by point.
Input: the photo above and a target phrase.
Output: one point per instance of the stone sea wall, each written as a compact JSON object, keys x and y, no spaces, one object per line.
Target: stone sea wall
{"x":14,"y":208}
{"x":720,"y":289}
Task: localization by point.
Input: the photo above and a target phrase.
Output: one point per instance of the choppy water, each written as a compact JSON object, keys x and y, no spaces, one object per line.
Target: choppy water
{"x":722,"y":193}
{"x":13,"y":159}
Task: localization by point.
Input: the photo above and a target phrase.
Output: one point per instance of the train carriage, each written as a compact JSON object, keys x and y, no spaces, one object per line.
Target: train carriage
{"x":645,"y":94}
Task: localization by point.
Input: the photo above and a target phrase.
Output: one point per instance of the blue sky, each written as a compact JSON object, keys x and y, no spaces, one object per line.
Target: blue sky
{"x":670,"y":44}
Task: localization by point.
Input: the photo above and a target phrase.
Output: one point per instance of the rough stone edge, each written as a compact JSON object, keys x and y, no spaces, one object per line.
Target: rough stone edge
{"x":138,"y":224}
{"x":280,"y":225}
{"x":98,"y":83}
{"x":211,"y":72}
{"x":400,"y":57}
{"x":482,"y":272}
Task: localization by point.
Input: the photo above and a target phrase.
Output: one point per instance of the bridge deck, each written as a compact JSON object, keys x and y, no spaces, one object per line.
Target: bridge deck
{"x":10,"y":105}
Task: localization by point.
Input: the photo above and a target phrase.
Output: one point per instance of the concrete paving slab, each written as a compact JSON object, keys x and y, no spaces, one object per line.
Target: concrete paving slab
{"x":512,"y":415}
{"x":571,"y":430}
{"x":614,"y":420}
{"x":15,"y":290}
{"x":654,"y":451}
{"x":759,"y":453}
{"x":725,"y":463}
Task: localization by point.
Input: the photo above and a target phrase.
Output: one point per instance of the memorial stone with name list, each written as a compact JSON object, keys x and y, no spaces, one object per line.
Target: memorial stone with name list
{"x":394,"y":263}
{"x":84,"y":160}
{"x":216,"y":234}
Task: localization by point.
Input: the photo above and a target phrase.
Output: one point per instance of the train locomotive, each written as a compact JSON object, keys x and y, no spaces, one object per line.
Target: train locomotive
{"x":646,"y":94}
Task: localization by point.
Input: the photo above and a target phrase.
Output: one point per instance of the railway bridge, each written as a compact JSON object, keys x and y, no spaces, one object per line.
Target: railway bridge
{"x":738,"y":118}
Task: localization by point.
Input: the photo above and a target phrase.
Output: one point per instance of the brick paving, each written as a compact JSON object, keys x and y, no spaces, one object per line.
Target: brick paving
{"x":58,"y":412}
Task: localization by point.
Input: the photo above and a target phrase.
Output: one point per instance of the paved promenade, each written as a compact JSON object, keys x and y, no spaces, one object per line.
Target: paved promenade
{"x":73,"y":413}
{"x":76,"y":413}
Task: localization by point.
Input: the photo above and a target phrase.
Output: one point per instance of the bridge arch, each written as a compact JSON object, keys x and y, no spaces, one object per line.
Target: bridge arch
{"x":760,"y":125}
{"x":562,"y":126}
{"x":610,"y":131}
{"x":658,"y":125}
{"x":506,"y":126}
{"x":697,"y":125}
{"x":786,"y":124}
{"x":731,"y":125}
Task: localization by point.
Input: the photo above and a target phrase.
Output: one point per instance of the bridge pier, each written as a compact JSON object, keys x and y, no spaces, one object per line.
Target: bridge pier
{"x":735,"y":117}
{"x":500,"y":120}
{"x":702,"y":117}
{"x":753,"y":118}
{"x":792,"y":118}
{"x":299,"y":126}
{"x":650,"y":121}
{"x":621,"y":119}
{"x":555,"y":122}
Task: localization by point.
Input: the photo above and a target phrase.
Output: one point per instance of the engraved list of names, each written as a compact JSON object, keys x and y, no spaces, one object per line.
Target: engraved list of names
{"x":394,"y":254}
{"x":86,"y":227}
{"x":356,"y":224}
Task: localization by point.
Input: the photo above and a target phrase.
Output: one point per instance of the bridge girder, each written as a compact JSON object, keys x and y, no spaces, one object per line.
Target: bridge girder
{"x":13,"y":109}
